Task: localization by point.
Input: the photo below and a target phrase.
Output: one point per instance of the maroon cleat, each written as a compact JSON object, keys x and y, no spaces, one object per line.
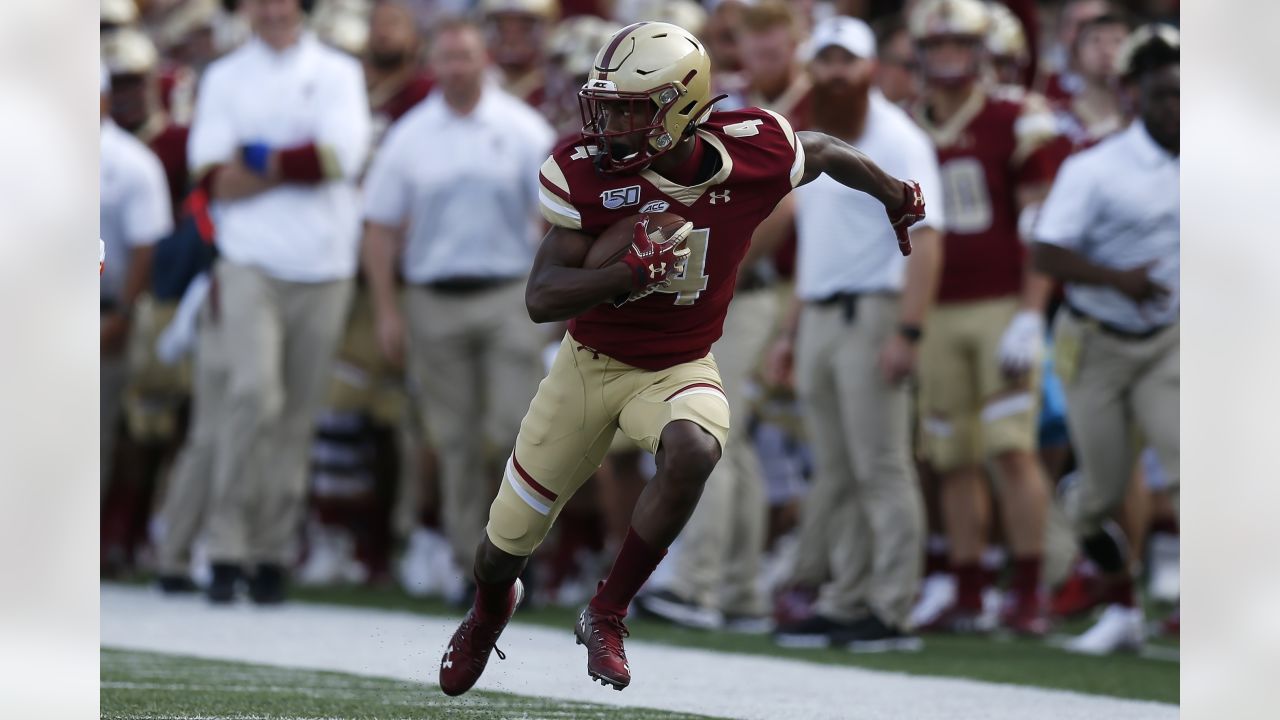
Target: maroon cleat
{"x":469,"y":648}
{"x":1025,"y":616}
{"x":1077,"y":596}
{"x":602,"y":633}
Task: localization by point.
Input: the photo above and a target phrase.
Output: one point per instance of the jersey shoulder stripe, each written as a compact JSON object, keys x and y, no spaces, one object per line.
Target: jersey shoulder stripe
{"x":554,"y":197}
{"x":797,"y":166}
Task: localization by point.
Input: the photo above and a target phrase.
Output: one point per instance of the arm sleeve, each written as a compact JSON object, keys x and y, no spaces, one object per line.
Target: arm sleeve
{"x":343,"y":133}
{"x":1067,"y":213}
{"x":213,"y":139}
{"x":148,"y":215}
{"x":554,"y":199}
{"x":386,"y":186}
{"x":797,"y":149}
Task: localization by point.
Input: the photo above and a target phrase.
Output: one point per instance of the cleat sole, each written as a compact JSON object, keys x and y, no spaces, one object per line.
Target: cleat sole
{"x":606,"y":682}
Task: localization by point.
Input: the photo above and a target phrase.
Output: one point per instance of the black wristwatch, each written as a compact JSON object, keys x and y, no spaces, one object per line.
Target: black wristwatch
{"x":912,"y":333}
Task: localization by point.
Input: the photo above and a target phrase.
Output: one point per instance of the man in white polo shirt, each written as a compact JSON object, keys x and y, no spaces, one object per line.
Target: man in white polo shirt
{"x":863,"y":309}
{"x":280,"y":132}
{"x":457,"y":179}
{"x":134,"y":213}
{"x":1110,"y":229}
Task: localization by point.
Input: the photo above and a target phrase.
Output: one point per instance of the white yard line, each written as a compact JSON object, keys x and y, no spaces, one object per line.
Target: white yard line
{"x":545,"y":662}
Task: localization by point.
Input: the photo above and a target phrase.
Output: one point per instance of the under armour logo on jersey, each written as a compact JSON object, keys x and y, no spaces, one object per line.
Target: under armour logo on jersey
{"x":655,"y":270}
{"x":717,"y":197}
{"x":595,"y":354}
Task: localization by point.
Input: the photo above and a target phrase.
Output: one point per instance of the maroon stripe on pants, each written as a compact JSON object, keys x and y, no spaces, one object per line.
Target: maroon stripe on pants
{"x":533,"y":483}
{"x":694,"y":385}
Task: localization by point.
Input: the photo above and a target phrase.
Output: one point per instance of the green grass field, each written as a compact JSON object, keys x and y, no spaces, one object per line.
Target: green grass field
{"x":151,"y":686}
{"x":994,"y":659}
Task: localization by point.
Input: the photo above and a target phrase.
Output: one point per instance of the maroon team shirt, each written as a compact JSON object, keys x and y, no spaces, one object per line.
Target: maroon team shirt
{"x":389,"y":104}
{"x":1000,"y":140}
{"x":761,"y":162}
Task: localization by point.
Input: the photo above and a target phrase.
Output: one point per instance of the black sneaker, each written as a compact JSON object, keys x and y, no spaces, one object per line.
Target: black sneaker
{"x":266,"y":587}
{"x":871,"y":635}
{"x":813,"y":632}
{"x":176,"y":585}
{"x":667,"y":605}
{"x":222,"y":589}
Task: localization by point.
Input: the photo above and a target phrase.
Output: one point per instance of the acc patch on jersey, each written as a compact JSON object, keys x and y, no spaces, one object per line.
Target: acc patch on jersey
{"x":655,"y":206}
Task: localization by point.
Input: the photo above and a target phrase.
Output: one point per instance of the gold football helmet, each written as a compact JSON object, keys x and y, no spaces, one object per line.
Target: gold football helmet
{"x":649,"y":88}
{"x":128,"y":51}
{"x":936,"y":23}
{"x":114,"y":13}
{"x":1005,"y":38}
{"x":941,"y":18}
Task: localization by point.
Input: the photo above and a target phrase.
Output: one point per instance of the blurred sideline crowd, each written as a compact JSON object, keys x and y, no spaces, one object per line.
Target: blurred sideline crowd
{"x":315,"y":355}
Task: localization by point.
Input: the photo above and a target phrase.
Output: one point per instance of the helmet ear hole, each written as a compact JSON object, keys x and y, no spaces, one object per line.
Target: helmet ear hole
{"x":688,"y":108}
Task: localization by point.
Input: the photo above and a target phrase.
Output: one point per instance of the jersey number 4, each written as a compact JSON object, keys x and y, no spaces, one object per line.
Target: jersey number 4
{"x":689,"y":284}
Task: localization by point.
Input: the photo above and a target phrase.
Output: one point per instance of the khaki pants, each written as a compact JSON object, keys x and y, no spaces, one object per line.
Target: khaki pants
{"x":1116,"y":388}
{"x":864,"y":514}
{"x":186,"y":502}
{"x":970,"y":412}
{"x":719,"y":558}
{"x":581,"y":403}
{"x":280,"y":338}
{"x":477,"y":359}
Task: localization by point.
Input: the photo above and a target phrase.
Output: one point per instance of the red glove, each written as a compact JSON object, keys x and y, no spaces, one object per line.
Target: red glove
{"x":653,"y":259}
{"x":910,"y":212}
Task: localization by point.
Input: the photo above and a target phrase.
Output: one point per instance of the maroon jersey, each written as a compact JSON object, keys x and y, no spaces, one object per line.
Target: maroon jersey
{"x":999,"y":140}
{"x":169,"y":142}
{"x":760,"y":162}
{"x":387,"y":103}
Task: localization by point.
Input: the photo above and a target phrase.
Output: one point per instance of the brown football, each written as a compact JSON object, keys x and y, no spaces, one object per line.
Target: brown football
{"x":614,"y":242}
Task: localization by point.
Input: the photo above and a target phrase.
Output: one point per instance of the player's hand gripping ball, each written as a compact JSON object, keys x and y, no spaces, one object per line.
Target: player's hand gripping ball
{"x":910,"y":212}
{"x":652,"y":246}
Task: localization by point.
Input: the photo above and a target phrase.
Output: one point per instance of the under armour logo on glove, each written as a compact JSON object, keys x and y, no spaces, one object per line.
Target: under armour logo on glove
{"x":910,"y":212}
{"x":655,"y":259}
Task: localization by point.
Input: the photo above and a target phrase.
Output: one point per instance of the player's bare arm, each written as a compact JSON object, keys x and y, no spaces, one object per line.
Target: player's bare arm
{"x":560,"y":288}
{"x":850,"y":167}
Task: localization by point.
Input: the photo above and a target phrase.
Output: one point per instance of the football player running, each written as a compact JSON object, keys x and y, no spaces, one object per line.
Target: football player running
{"x":636,"y":356}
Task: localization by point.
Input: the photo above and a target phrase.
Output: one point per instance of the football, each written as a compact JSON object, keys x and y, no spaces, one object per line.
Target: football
{"x":614,"y":242}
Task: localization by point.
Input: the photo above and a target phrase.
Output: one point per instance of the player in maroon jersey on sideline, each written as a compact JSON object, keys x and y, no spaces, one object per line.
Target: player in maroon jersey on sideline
{"x":637,"y":353}
{"x":998,"y":149}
